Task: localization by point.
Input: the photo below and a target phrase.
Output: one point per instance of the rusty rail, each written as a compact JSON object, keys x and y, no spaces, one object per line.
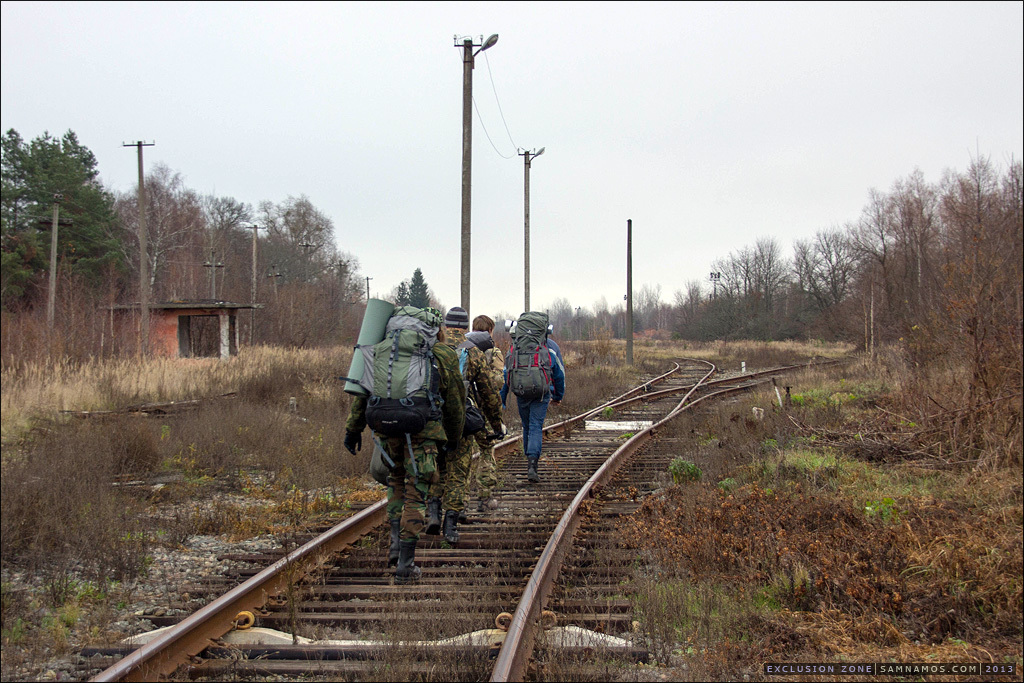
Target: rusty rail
{"x":517,"y":649}
{"x":174,"y":647}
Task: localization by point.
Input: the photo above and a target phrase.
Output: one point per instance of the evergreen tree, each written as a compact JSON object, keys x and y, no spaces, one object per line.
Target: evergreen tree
{"x":402,"y":293}
{"x":419,"y":292}
{"x":32,"y":175}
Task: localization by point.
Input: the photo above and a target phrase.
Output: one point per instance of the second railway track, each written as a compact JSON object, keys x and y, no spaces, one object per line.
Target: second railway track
{"x":481,"y":604}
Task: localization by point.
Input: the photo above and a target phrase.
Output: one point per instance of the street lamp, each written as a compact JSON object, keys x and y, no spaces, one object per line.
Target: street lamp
{"x":527,"y":158}
{"x":468,"y":60}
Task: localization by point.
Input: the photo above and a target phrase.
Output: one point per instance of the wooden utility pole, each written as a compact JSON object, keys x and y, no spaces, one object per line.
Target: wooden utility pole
{"x":143,"y":253}
{"x":252,"y":291}
{"x":629,"y":292}
{"x":368,"y":288}
{"x":51,"y":302}
{"x":213,"y":264}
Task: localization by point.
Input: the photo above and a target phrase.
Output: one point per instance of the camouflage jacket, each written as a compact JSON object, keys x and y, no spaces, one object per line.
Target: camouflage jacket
{"x":453,"y":396}
{"x":477,"y":375}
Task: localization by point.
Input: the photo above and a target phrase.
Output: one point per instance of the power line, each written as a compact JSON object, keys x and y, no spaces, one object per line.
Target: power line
{"x":495,"y":91}
{"x":488,"y":135}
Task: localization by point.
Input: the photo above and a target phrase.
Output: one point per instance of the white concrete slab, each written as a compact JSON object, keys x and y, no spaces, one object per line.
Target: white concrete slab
{"x":620,"y":426}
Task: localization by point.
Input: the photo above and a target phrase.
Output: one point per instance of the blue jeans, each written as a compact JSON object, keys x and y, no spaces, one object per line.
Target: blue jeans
{"x":532,"y":414}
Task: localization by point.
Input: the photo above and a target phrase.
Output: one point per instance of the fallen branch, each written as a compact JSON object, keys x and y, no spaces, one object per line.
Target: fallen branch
{"x":151,"y":408}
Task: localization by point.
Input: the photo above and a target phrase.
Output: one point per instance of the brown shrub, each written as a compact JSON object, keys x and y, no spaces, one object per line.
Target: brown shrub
{"x":938,"y":568}
{"x":60,"y":511}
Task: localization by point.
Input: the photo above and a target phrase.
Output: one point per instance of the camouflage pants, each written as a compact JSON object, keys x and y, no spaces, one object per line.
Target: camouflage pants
{"x":455,"y":476}
{"x":410,"y":482}
{"x":484,"y":467}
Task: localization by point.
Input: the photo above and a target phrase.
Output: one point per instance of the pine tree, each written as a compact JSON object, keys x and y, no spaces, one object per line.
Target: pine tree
{"x":419,"y":292}
{"x":402,"y":294}
{"x":33,"y":174}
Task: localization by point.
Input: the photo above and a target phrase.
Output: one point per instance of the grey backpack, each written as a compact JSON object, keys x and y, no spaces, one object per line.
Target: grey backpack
{"x":401,"y":374}
{"x":528,"y":364}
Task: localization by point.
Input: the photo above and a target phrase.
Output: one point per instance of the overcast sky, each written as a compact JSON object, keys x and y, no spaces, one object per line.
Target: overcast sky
{"x":710,"y":125}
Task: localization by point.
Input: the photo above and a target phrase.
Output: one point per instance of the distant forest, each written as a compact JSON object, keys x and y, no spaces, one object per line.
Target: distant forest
{"x":936,"y":266}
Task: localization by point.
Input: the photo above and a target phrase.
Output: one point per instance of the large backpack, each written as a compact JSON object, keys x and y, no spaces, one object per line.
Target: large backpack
{"x":475,"y":420}
{"x":401,"y":374}
{"x":529,"y":361}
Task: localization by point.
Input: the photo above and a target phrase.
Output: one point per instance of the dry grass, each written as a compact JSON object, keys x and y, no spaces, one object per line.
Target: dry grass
{"x":40,"y":390}
{"x":802,"y":551}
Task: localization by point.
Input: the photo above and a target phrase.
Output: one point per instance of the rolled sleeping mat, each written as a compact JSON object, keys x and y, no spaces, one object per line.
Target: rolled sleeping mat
{"x":375,"y":320}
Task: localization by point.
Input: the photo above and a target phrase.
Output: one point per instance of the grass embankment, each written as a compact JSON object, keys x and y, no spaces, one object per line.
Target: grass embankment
{"x":834,"y":540}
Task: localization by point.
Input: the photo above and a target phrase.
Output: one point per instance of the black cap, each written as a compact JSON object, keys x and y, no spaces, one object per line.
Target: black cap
{"x":457,"y":317}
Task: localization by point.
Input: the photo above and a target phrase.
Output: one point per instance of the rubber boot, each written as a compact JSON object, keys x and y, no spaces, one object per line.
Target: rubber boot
{"x":433,"y":517}
{"x":451,"y":526}
{"x":531,"y":471}
{"x":407,"y":572}
{"x":394,"y":550}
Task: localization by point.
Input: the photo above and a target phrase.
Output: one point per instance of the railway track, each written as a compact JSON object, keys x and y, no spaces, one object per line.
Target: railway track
{"x":536,"y":575}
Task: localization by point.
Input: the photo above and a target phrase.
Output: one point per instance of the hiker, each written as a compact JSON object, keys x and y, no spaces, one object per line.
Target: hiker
{"x":416,"y":410}
{"x":535,"y":373}
{"x":484,"y":468}
{"x":483,"y":405}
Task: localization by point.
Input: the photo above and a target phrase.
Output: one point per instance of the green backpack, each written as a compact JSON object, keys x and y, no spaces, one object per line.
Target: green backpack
{"x":528,"y":364}
{"x":401,"y":375}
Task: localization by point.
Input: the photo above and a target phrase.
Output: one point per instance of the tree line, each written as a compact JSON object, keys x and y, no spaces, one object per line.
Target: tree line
{"x":927,"y":263}
{"x":200,"y":246}
{"x":937,"y":265}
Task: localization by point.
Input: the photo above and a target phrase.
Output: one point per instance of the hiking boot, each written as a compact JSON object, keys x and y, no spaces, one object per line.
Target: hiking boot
{"x":463,"y":516}
{"x":433,"y":517}
{"x":485,"y":504}
{"x":451,"y":526}
{"x":531,"y":471}
{"x":407,"y":572}
{"x":394,"y":550}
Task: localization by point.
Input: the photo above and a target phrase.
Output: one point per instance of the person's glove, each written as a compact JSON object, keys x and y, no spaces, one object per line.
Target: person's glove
{"x":497,"y":436}
{"x":353,"y":442}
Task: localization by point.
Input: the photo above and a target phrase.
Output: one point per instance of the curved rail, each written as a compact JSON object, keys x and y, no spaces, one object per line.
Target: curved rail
{"x":517,"y":649}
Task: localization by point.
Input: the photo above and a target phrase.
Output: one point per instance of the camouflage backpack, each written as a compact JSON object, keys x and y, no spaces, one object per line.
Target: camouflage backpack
{"x":529,"y":360}
{"x":401,"y":374}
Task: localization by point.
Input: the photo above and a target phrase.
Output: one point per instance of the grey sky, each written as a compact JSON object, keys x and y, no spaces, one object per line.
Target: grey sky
{"x":710,"y":125}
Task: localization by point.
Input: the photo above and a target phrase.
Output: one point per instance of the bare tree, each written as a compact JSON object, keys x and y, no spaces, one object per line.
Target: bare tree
{"x":175,"y":222}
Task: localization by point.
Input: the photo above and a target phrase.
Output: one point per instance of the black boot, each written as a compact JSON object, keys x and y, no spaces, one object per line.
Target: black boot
{"x":407,"y":572}
{"x":433,"y":517}
{"x":393,"y":551}
{"x":451,"y":526}
{"x":531,"y":471}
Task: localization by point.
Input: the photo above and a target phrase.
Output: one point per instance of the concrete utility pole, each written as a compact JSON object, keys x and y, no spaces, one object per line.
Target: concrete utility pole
{"x":527,"y":158}
{"x":252,"y":292}
{"x":629,"y":292}
{"x":143,"y":253}
{"x":468,"y":58}
{"x":51,"y":302}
